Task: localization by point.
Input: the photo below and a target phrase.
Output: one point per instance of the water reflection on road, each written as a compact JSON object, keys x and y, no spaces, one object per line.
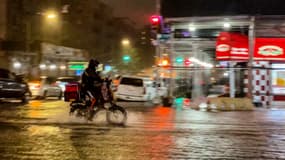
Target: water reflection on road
{"x":44,"y":130}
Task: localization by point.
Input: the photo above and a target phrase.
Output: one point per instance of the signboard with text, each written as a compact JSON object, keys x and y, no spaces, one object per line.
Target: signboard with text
{"x":223,"y":46}
{"x":269,"y":49}
{"x":77,"y":66}
{"x":234,"y":47}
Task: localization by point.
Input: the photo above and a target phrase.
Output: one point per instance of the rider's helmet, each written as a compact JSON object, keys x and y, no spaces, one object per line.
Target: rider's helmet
{"x":96,"y":62}
{"x":93,"y":63}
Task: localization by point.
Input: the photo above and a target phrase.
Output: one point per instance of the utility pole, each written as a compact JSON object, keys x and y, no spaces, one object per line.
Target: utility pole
{"x":251,"y":35}
{"x":158,"y":7}
{"x":157,"y":57}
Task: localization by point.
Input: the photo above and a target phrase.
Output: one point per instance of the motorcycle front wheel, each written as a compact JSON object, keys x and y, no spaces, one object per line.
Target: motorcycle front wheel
{"x":116,"y":115}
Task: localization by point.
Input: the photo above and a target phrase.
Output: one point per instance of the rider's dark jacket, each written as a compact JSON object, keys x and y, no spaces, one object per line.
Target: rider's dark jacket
{"x":91,"y":81}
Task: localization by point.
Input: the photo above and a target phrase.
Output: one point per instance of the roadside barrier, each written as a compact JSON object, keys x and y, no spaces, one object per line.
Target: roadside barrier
{"x":221,"y":104}
{"x":230,"y":104}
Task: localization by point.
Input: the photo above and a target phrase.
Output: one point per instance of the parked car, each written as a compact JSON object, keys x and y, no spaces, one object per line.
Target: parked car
{"x":137,"y":89}
{"x":12,"y":86}
{"x":45,"y":87}
{"x":62,"y":81}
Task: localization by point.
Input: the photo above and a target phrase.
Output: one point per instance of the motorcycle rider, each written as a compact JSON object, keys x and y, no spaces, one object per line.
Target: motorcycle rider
{"x":91,"y":82}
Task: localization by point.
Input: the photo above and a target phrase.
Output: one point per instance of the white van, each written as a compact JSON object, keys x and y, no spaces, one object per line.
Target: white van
{"x":135,"y":89}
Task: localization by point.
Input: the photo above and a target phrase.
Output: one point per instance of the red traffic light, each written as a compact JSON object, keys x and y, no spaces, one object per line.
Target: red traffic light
{"x":155,"y":19}
{"x":187,"y":62}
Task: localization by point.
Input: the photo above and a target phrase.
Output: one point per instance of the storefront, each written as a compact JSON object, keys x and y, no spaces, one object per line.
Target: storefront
{"x":244,"y":52}
{"x":62,"y":61}
{"x":250,"y":60}
{"x":278,"y":82}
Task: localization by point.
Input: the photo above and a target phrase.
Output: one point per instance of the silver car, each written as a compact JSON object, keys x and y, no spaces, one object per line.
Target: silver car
{"x":45,"y":87}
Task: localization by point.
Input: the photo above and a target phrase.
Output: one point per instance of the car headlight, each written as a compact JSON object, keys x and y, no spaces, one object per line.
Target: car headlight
{"x":23,"y":85}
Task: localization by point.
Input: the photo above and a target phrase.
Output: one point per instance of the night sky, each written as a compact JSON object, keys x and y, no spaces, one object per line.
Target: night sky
{"x":137,"y":10}
{"x":188,"y":8}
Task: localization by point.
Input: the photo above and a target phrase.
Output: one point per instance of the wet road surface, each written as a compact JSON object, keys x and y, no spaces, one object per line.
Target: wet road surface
{"x":44,"y":130}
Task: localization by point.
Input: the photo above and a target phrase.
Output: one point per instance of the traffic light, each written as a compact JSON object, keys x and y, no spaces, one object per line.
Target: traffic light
{"x":156,"y":22}
{"x":179,"y":60}
{"x":187,"y":62}
{"x":164,"y":61}
{"x":126,"y":58}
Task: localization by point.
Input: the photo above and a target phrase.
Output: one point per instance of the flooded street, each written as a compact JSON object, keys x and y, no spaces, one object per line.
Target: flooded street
{"x":45,"y":130}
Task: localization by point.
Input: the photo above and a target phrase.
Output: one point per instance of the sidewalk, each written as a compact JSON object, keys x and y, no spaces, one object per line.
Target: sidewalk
{"x":205,"y":107}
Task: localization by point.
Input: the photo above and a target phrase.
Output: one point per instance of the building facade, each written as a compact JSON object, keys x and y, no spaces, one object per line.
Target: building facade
{"x":191,"y":46}
{"x":24,"y":32}
{"x":3,"y":30}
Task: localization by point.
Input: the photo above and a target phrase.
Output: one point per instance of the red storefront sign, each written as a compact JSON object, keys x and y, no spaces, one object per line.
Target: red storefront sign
{"x":234,"y":47}
{"x":271,"y":49}
{"x":223,"y":46}
{"x":239,"y":47}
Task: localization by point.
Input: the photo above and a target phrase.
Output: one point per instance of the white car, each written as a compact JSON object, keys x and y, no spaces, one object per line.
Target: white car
{"x":136,"y":89}
{"x":45,"y":87}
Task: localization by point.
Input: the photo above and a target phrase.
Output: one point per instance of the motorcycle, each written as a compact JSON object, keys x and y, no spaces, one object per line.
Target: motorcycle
{"x":89,"y":106}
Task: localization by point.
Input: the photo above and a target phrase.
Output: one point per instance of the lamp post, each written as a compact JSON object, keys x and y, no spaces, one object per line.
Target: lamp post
{"x":51,"y":26}
{"x":49,"y":18}
{"x":126,"y":46}
{"x":125,"y":55}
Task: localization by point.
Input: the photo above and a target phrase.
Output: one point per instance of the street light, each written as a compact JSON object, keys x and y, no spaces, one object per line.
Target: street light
{"x":62,"y":67}
{"x":17,"y":65}
{"x":192,"y":28}
{"x":43,"y":66}
{"x":227,"y":25}
{"x":51,"y":15}
{"x":51,"y":21}
{"x":125,"y":42}
{"x":52,"y":67}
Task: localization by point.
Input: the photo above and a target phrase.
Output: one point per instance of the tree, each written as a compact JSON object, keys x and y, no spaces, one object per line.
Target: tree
{"x":87,"y":24}
{"x":90,"y":25}
{"x":132,"y":65}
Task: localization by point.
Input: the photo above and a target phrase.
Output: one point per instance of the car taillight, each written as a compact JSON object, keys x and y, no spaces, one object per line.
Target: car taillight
{"x":38,"y":86}
{"x":186,"y":101}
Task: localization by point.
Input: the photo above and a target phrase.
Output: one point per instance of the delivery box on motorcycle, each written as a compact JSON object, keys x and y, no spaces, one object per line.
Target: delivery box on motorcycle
{"x":72,"y":92}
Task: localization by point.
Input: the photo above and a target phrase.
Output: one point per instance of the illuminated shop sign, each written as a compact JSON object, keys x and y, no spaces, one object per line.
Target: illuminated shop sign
{"x":234,"y":46}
